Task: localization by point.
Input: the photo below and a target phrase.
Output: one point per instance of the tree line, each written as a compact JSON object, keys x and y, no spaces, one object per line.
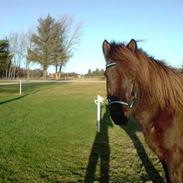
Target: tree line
{"x":96,"y":72}
{"x":52,"y":43}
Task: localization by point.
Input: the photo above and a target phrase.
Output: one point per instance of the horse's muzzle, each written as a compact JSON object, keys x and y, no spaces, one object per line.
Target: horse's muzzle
{"x":116,"y":111}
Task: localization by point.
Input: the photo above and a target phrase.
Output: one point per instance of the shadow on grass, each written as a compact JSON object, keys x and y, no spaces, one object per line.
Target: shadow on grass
{"x":13,"y":99}
{"x":152,"y":173}
{"x":100,"y":150}
{"x":27,"y":88}
{"x":17,"y":98}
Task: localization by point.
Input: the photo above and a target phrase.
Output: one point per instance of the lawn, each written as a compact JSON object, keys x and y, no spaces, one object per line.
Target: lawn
{"x":49,"y":135}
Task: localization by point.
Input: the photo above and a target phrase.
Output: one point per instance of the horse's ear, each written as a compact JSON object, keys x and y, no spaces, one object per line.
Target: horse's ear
{"x":132,"y":45}
{"x":106,"y":47}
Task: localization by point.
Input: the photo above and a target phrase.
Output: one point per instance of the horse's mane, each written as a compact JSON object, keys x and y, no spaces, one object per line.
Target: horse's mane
{"x":157,"y":82}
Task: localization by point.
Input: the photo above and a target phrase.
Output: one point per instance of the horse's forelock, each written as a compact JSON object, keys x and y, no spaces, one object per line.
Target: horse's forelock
{"x":125,"y":58}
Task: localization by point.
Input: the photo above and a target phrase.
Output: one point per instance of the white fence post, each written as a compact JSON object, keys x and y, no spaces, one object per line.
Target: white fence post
{"x":98,"y":102}
{"x":20,"y":90}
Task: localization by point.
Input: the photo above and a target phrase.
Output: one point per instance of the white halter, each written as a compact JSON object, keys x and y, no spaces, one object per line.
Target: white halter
{"x":110,"y":65}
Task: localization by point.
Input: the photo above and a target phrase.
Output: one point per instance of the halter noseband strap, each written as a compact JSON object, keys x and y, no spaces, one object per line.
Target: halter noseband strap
{"x":110,"y":65}
{"x":130,"y":105}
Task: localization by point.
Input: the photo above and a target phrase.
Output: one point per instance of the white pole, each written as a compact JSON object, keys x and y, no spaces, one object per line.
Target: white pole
{"x":98,"y":103}
{"x":98,"y":114}
{"x":20,"y":87}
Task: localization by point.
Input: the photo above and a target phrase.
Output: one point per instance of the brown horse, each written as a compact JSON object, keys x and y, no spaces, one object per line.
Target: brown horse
{"x":152,"y":93}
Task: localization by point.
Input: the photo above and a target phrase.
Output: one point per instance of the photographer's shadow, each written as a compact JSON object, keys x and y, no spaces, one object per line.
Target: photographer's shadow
{"x":100,"y":151}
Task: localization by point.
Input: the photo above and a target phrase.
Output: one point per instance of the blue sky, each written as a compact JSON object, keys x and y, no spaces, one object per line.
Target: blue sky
{"x":158,"y":22}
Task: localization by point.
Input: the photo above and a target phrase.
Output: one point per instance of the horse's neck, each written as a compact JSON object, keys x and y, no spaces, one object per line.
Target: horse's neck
{"x":144,"y":114}
{"x":154,"y":121}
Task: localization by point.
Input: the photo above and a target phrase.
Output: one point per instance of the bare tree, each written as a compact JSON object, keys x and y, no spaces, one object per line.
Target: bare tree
{"x":18,"y":50}
{"x":70,"y":38}
{"x":29,"y":46}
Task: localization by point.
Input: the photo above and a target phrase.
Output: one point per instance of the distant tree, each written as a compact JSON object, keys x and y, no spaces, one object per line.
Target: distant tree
{"x":29,"y":46}
{"x":18,"y":49}
{"x":69,"y":40}
{"x":36,"y":73}
{"x":57,"y":48}
{"x":96,"y":72}
{"x":40,"y":51}
{"x":89,"y":72}
{"x":53,"y":44}
{"x":5,"y":59}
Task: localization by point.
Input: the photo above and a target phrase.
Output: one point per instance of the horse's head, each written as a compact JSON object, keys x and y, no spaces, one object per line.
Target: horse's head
{"x":121,"y":88}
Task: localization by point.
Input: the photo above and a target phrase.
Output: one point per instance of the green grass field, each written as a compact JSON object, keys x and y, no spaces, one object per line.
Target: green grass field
{"x":49,"y":135}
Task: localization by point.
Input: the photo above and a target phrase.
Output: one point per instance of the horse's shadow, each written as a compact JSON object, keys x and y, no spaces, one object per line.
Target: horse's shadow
{"x":152,"y":174}
{"x":100,"y":150}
